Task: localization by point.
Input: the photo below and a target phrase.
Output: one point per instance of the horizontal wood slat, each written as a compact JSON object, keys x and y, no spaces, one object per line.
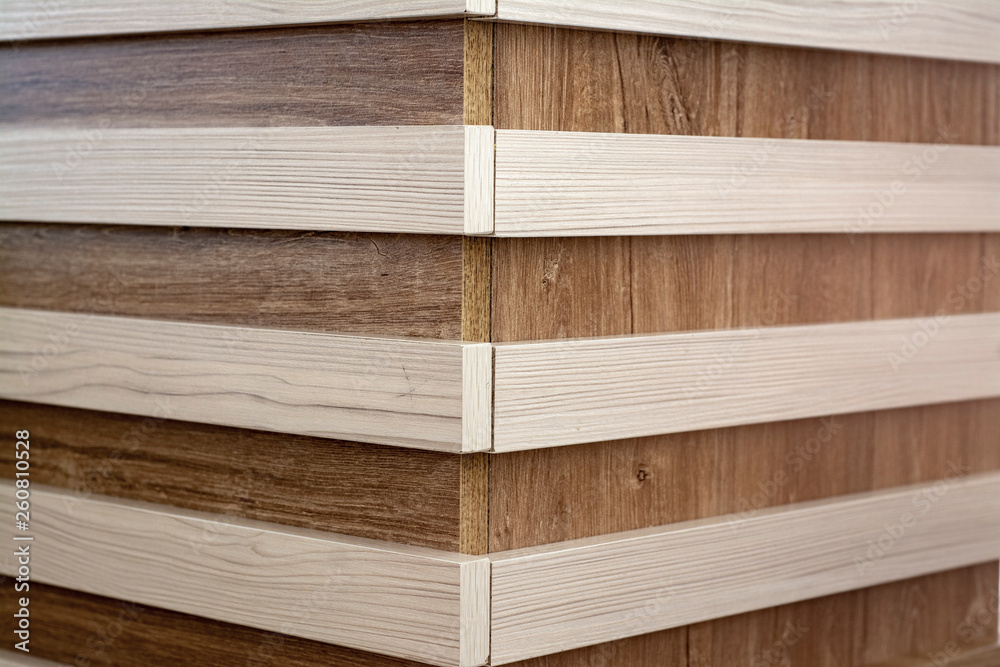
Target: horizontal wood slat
{"x":383,"y":493}
{"x":394,"y":73}
{"x":388,"y":391}
{"x":967,"y":29}
{"x":564,"y":392}
{"x":373,"y":284}
{"x":553,"y":598}
{"x":572,"y":184}
{"x":379,"y":179}
{"x":403,"y":601}
{"x":39,"y":19}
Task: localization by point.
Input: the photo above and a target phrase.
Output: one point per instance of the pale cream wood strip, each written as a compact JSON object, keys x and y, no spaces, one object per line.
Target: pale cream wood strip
{"x":406,"y":392}
{"x":952,"y":29}
{"x":39,"y":19}
{"x":479,"y":182}
{"x":378,"y":179}
{"x":561,"y":596}
{"x":572,"y":391}
{"x":592,"y":184}
{"x":477,"y":397}
{"x":411,"y":602}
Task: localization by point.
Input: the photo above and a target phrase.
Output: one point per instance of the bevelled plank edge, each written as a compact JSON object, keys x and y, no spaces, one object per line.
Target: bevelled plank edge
{"x":406,"y":179}
{"x":962,"y":30}
{"x":44,"y":19}
{"x":479,"y":179}
{"x":562,"y":596}
{"x":595,"y":184}
{"x":477,"y":397}
{"x":410,"y":602}
{"x":16,"y":658}
{"x":585,"y":390}
{"x":405,"y":392}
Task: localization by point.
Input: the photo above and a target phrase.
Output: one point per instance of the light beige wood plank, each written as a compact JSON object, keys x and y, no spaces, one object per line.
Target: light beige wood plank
{"x":406,"y":392}
{"x":480,"y":141}
{"x":379,"y":179}
{"x":592,"y":184}
{"x":557,"y":597}
{"x":952,"y":29}
{"x":15,"y":658}
{"x":411,"y":602}
{"x":572,"y":391}
{"x":40,"y":19}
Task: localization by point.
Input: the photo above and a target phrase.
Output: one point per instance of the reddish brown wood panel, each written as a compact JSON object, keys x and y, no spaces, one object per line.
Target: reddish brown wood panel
{"x":385,"y":493}
{"x":406,"y":73}
{"x":558,"y":288}
{"x":378,"y":284}
{"x":90,"y":631}
{"x":562,"y":79}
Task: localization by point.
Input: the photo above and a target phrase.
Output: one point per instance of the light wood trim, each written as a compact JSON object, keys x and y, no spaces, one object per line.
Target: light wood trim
{"x":411,"y":179}
{"x":952,"y":29}
{"x":594,"y":184}
{"x":15,"y":658}
{"x":571,"y":594}
{"x":407,"y":392}
{"x":564,"y":392}
{"x":477,"y":397}
{"x":479,"y":179}
{"x":43,"y":19}
{"x":411,"y":602}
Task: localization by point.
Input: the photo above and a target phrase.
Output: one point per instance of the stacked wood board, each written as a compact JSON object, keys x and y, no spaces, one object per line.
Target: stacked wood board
{"x":521,"y":332}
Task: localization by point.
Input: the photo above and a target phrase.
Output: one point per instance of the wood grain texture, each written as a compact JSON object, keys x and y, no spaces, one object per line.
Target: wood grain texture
{"x":376,"y":179}
{"x":588,"y":183}
{"x":397,"y":73}
{"x":37,"y":19}
{"x":565,"y":392}
{"x":388,"y":391}
{"x":590,"y":81}
{"x":557,"y":597}
{"x":77,"y":628}
{"x":733,"y":472}
{"x":968,"y":30}
{"x":381,"y":284}
{"x":434,"y":607}
{"x":382,"y":493}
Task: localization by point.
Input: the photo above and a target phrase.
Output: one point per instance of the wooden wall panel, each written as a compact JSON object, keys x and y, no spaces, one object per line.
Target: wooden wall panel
{"x":596,"y":286}
{"x":385,"y":493}
{"x":357,"y":74}
{"x":377,"y":284}
{"x":92,"y":631}
{"x":562,"y":493}
{"x":579,"y":80}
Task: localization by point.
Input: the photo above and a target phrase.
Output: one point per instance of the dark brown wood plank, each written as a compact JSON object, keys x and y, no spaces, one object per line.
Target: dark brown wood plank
{"x":378,"y":284}
{"x":563,"y":79}
{"x":91,"y":631}
{"x":406,"y":73}
{"x":385,"y":493}
{"x":549,"y":495}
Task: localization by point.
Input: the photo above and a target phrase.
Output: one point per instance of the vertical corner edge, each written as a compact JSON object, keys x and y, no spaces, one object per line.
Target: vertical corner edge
{"x":477,"y":397}
{"x":474,"y":630}
{"x":480,"y":179}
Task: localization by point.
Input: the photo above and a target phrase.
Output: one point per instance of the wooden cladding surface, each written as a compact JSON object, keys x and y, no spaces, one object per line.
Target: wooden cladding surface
{"x":408,"y":602}
{"x":935,"y":606}
{"x":587,"y":183}
{"x":565,"y":392}
{"x":968,"y":29}
{"x":379,"y":284}
{"x":734,"y":472}
{"x":380,"y":179}
{"x":384,"y":493}
{"x":404,"y":392}
{"x":589,"y":81}
{"x":397,"y":73}
{"x":37,"y":19}
{"x":571,"y":594}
